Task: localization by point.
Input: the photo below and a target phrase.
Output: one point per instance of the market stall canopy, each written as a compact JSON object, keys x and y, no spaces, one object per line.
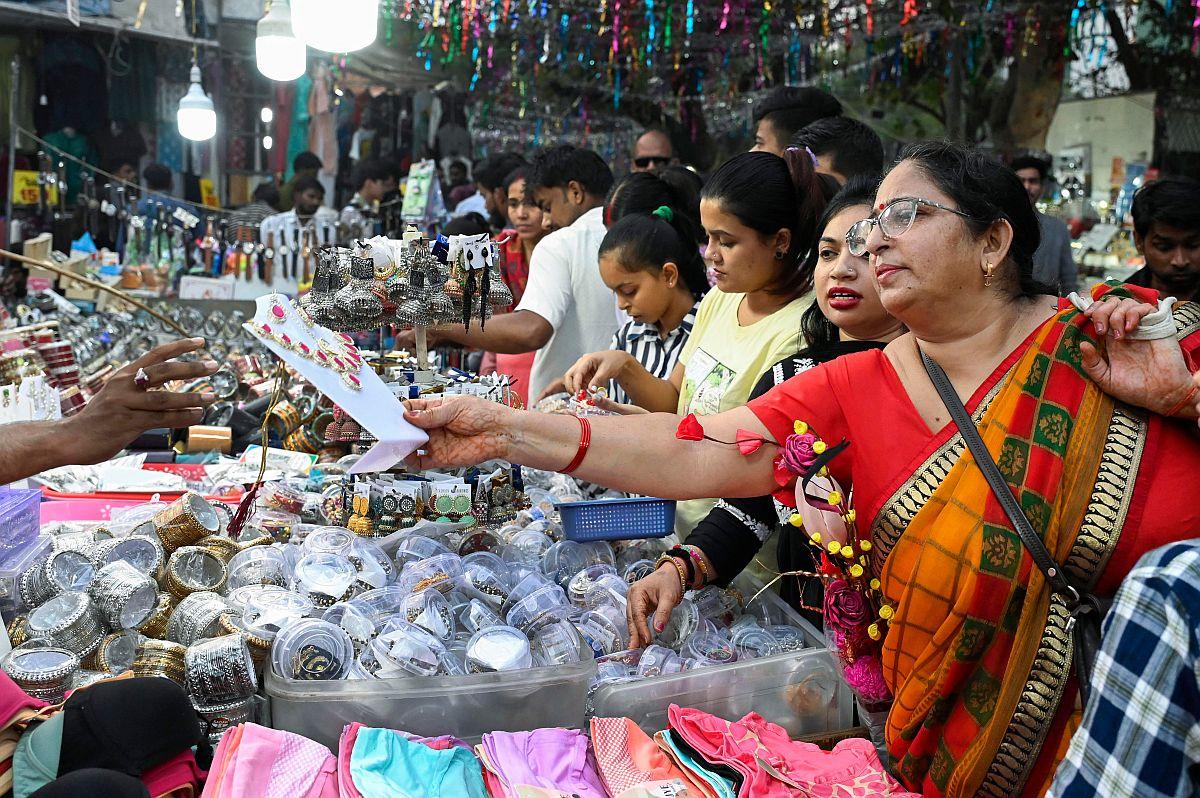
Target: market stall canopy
{"x":386,"y":65}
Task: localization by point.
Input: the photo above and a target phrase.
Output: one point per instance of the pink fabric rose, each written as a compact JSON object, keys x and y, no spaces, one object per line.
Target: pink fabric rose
{"x":846,"y":607}
{"x":797,"y":455}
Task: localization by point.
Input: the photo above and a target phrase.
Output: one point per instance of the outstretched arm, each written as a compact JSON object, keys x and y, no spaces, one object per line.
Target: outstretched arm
{"x":113,"y":418}
{"x":638,"y":453}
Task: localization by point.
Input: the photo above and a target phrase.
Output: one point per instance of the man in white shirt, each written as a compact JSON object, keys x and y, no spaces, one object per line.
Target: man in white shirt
{"x":566,"y":310}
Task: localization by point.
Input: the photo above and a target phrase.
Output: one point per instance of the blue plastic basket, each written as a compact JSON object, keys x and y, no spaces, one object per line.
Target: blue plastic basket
{"x":617,"y":519}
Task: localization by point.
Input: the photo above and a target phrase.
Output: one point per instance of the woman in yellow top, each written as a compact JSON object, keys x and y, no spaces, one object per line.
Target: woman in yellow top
{"x":760,"y":213}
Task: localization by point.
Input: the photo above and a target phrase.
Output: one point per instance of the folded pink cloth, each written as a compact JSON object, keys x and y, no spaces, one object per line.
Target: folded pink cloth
{"x":775,"y":766}
{"x":271,"y":763}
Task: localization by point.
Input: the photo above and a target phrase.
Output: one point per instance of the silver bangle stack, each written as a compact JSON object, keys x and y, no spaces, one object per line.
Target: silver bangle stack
{"x":70,"y":569}
{"x":34,"y":586}
{"x":143,"y":553}
{"x":124,"y":596}
{"x":68,"y":621}
{"x":226,"y":714}
{"x":43,"y":673}
{"x":196,"y":617}
{"x":192,"y":569}
{"x":220,"y":669}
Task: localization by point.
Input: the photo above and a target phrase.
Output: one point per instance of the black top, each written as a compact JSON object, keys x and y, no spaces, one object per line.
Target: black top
{"x":733,"y":531}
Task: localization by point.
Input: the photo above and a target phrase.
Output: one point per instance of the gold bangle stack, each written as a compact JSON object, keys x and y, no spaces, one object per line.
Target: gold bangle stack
{"x":222,"y":547}
{"x":156,"y":624}
{"x":160,"y":658}
{"x":284,"y":419}
{"x":175,"y":583}
{"x":261,"y":540}
{"x":185,"y":521}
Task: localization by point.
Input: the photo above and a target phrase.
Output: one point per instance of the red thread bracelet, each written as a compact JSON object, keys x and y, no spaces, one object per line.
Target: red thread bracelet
{"x":585,"y":440}
{"x":1184,"y":402}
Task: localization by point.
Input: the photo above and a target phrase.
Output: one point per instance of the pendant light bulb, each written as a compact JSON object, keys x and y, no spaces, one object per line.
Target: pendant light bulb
{"x":197,"y":120}
{"x":336,"y":26}
{"x":278,"y":53}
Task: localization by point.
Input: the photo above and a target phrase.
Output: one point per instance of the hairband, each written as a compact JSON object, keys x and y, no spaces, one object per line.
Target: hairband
{"x":665,"y":213}
{"x":811,"y":154}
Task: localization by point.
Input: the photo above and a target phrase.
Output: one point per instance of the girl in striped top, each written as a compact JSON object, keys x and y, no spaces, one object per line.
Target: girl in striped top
{"x":650,"y":262}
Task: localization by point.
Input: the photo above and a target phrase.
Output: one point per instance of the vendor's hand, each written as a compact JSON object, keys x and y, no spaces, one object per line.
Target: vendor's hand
{"x":604,"y":403}
{"x":121,"y":411}
{"x":558,"y":386}
{"x":1149,"y":374}
{"x":1118,"y":317}
{"x":463,"y":430}
{"x":596,"y":370}
{"x":657,"y":594}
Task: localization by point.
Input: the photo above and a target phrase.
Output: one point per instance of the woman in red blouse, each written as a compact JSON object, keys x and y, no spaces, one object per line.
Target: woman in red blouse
{"x":1092,"y":428}
{"x":524,"y":235}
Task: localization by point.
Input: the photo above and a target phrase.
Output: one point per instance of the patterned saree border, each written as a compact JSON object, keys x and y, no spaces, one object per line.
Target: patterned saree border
{"x":1187,"y":319}
{"x":1101,"y":529}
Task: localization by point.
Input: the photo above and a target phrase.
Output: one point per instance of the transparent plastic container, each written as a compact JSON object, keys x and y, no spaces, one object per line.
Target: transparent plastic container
{"x":466,"y":706}
{"x":20,"y":518}
{"x":17,"y":563}
{"x":801,"y":690}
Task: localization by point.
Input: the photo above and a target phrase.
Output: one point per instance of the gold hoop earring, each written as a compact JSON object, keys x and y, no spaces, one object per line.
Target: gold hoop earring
{"x":987,"y":275}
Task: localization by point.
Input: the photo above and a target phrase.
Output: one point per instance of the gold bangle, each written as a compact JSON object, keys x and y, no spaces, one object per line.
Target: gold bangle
{"x":160,"y":658}
{"x":224,"y":548}
{"x":185,"y":521}
{"x":175,"y":583}
{"x":156,"y":624}
{"x":679,"y":569}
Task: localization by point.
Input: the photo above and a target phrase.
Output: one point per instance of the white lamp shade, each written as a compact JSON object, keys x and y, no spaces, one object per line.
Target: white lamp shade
{"x":279,"y":54}
{"x":336,"y":26}
{"x":196,"y":118}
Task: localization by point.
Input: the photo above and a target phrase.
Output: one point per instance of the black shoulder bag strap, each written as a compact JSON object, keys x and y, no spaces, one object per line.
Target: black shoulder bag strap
{"x":1086,"y":610}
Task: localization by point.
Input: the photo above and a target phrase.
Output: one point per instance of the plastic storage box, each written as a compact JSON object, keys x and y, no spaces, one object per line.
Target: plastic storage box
{"x":466,"y":706}
{"x":617,"y":519}
{"x":12,"y":565}
{"x":801,"y":691}
{"x":20,"y":520}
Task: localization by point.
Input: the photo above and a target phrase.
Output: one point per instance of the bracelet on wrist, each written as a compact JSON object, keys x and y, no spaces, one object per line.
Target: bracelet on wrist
{"x":1189,"y":398}
{"x":703,"y":577}
{"x":680,"y":571}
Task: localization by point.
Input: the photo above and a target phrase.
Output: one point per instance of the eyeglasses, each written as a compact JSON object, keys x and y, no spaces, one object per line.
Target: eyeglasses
{"x":650,"y":161}
{"x":894,"y":220}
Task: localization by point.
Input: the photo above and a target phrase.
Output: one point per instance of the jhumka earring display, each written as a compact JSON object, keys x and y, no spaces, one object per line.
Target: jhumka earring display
{"x":357,"y":301}
{"x":501,"y":296}
{"x":319,"y":302}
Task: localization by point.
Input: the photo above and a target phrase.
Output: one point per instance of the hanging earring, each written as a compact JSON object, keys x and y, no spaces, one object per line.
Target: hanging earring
{"x":779,"y":254}
{"x":987,"y":274}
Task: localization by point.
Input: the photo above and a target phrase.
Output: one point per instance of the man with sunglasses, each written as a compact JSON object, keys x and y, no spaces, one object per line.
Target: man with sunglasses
{"x":653,"y":150}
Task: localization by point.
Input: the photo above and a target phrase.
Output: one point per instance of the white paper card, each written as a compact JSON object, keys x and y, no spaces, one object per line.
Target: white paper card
{"x":373,"y":406}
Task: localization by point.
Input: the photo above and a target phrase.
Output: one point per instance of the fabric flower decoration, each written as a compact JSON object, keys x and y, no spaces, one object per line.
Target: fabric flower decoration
{"x":748,"y":443}
{"x":798,"y":453}
{"x":845,"y":607}
{"x":689,"y":429}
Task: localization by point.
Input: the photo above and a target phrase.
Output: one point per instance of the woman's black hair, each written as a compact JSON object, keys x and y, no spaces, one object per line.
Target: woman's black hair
{"x":643,"y":192}
{"x":986,"y":190}
{"x":768,"y":194}
{"x":860,"y":190}
{"x":520,"y":173}
{"x":646,"y":241}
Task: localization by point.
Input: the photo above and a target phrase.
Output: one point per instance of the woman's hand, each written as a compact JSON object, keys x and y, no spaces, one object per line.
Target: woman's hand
{"x":463,"y":430}
{"x":596,"y":370}
{"x":657,"y":594}
{"x":1118,"y":317}
{"x":604,"y":403}
{"x":1149,"y":374}
{"x":123,"y":410}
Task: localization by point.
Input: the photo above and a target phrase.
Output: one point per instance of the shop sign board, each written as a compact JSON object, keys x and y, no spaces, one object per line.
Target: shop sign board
{"x":25,"y":188}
